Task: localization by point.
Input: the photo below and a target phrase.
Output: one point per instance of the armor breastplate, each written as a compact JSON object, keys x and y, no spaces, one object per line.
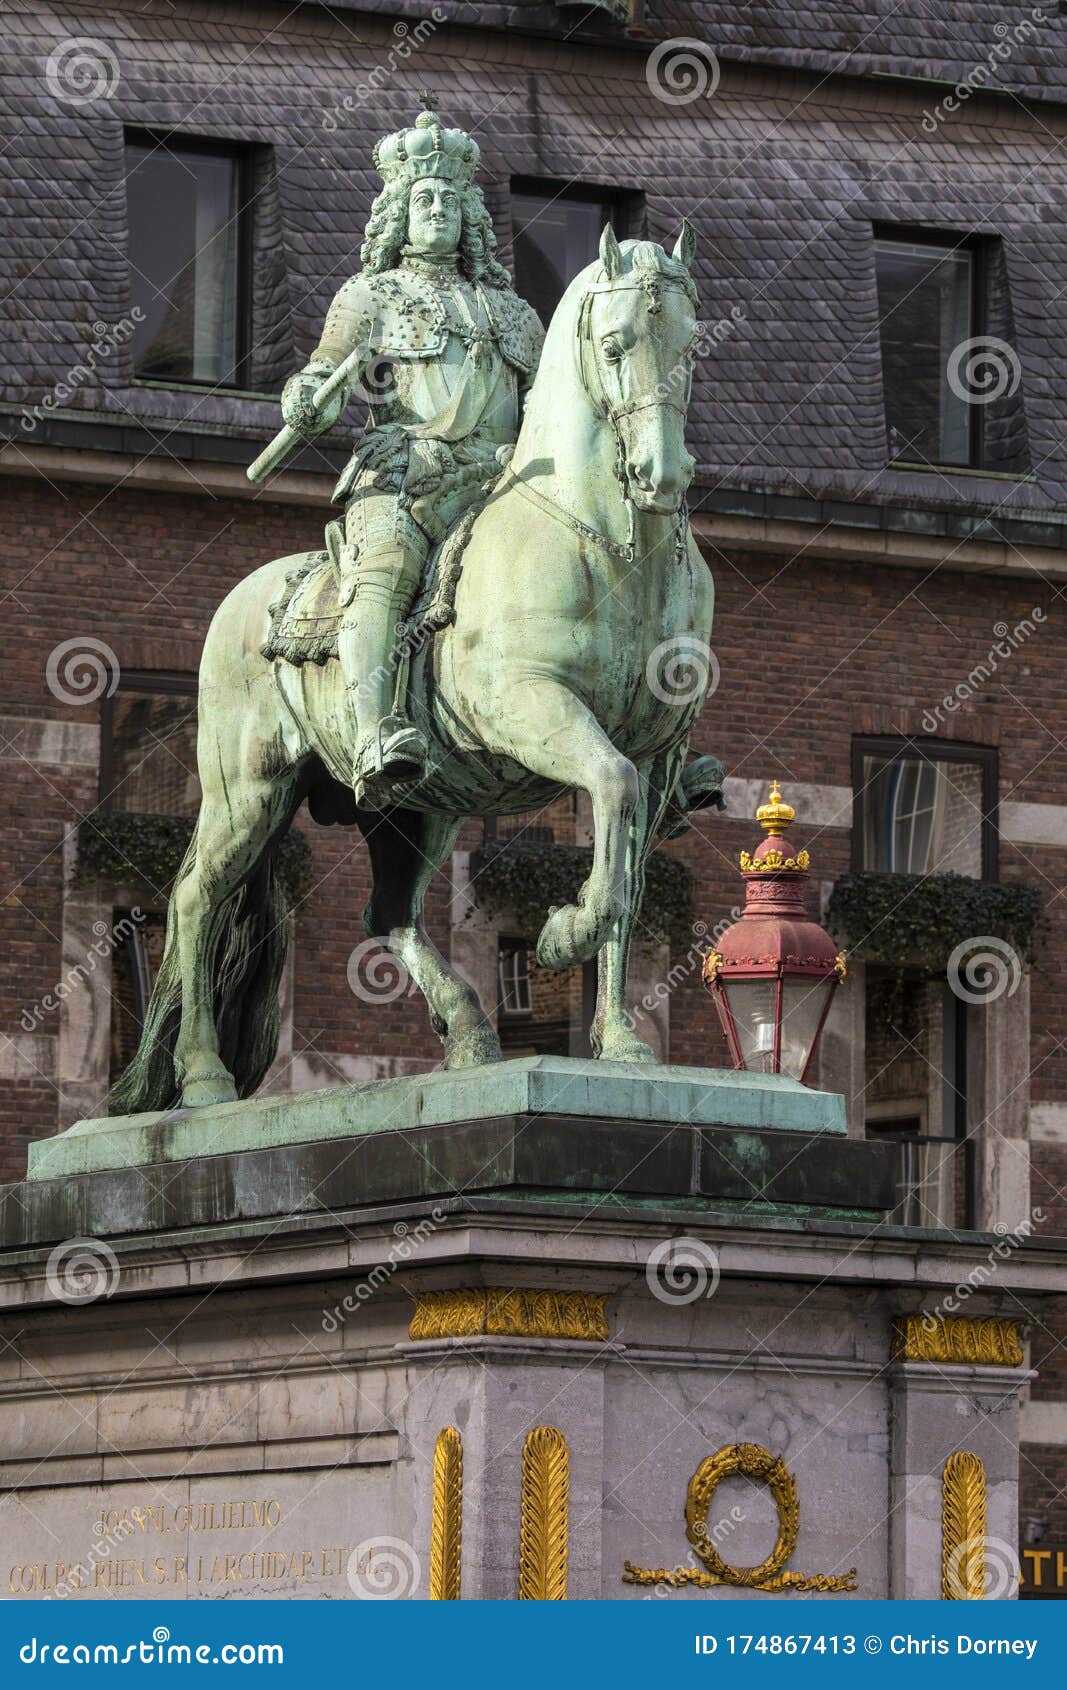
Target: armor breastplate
{"x":420,"y":390}
{"x":414,"y":318}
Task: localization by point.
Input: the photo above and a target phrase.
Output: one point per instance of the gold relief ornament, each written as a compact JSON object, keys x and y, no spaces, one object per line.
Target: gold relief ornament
{"x":544,"y":1509}
{"x":446,"y":1523}
{"x":773,"y":861}
{"x":963,"y":1536}
{"x":750,"y":1461}
{"x":947,"y":1338}
{"x":509,"y":1312}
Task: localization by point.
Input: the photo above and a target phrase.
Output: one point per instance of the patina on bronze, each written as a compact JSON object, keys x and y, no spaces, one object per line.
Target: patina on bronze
{"x":540,"y":670}
{"x":444,"y":351}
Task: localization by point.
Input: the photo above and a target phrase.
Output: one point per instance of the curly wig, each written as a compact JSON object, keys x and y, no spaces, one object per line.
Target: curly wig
{"x":387,"y":233}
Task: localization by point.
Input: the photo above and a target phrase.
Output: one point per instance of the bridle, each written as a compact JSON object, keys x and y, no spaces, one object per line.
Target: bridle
{"x":594,"y":385}
{"x":592,"y":380}
{"x":591,"y":376}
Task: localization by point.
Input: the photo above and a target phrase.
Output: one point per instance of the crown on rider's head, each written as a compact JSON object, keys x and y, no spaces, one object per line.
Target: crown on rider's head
{"x":427,"y":150}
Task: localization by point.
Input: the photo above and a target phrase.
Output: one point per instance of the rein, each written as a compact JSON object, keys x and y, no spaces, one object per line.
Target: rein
{"x":567,"y":519}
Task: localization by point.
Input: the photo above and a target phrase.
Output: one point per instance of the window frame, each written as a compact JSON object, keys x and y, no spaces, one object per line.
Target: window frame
{"x":621,"y":201}
{"x":931,"y":751}
{"x":979,"y":247}
{"x":508,"y":1010}
{"x":624,"y":207}
{"x":132,"y":680}
{"x":176,"y":141}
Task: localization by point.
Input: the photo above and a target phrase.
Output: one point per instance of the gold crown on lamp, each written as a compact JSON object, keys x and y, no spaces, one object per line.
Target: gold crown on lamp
{"x":776,"y":815}
{"x":774,"y":818}
{"x":427,"y":150}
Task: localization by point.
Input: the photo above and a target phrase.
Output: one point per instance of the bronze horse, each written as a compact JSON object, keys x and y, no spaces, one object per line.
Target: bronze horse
{"x":581,"y":591}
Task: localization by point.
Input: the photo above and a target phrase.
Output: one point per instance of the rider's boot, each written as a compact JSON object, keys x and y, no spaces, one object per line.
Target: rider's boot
{"x":389,"y":748}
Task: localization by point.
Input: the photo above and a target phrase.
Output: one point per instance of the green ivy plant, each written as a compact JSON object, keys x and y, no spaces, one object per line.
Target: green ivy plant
{"x":523,"y":882}
{"x":917,"y":918}
{"x":129,"y":846}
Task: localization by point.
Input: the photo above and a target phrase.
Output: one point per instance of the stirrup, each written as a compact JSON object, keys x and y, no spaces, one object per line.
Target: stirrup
{"x":394,"y":751}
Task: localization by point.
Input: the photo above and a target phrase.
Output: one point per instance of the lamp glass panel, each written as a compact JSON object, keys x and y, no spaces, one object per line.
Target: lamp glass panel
{"x":803,"y":1002}
{"x":752,"y":1004}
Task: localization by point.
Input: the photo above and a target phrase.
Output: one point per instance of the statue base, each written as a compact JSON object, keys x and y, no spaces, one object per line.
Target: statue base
{"x":526,"y":1086}
{"x":287,"y":1370}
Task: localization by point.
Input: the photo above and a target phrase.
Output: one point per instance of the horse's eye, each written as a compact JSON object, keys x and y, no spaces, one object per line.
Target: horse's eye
{"x":612,"y":350}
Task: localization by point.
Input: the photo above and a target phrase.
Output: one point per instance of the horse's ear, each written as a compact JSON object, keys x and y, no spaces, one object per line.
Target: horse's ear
{"x":610,"y":253}
{"x":686,"y":244}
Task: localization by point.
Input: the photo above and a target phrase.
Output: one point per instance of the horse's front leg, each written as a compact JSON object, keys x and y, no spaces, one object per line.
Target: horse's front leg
{"x":552,"y":733}
{"x":612,"y":1034}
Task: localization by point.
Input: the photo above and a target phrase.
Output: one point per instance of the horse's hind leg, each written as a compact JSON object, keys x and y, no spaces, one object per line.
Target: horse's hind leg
{"x":241,"y":813}
{"x":406,"y":851}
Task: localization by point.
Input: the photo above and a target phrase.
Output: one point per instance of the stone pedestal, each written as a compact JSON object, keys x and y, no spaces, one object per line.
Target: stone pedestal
{"x":236,"y":1374}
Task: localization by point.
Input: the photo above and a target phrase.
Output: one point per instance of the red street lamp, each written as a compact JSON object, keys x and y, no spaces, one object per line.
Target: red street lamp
{"x":775,"y":972}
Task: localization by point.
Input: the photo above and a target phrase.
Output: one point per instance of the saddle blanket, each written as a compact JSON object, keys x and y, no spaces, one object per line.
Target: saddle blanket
{"x":305,"y":620}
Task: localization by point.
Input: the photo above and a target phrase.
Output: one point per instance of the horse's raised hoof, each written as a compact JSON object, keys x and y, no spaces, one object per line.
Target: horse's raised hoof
{"x":472,"y":1050}
{"x":209,"y":1088}
{"x":572,"y":934}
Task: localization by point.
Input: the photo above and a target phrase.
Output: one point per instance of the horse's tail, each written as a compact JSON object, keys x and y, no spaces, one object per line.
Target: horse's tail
{"x":247,"y":945}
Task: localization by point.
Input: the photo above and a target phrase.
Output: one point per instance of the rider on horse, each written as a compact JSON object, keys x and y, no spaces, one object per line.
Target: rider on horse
{"x":433,"y":308}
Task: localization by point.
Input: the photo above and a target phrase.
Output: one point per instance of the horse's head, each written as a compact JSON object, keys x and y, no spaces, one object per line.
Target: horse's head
{"x":636,"y":339}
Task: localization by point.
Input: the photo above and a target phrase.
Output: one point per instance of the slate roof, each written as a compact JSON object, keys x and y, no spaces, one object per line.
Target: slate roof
{"x":783,"y":181}
{"x":932,"y":40}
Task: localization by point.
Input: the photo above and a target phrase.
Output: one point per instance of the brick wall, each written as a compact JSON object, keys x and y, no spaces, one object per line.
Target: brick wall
{"x":838,"y":650}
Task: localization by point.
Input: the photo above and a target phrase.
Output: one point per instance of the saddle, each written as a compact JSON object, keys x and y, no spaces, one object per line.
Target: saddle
{"x":305,"y":620}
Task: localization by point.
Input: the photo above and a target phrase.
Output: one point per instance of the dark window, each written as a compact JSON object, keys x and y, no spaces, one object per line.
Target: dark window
{"x":556,"y":232}
{"x":148,"y":746}
{"x":188,"y":260}
{"x":924,"y":808}
{"x":950,"y":374}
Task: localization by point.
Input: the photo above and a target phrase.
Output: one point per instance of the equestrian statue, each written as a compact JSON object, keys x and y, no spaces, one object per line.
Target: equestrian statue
{"x":499,"y":617}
